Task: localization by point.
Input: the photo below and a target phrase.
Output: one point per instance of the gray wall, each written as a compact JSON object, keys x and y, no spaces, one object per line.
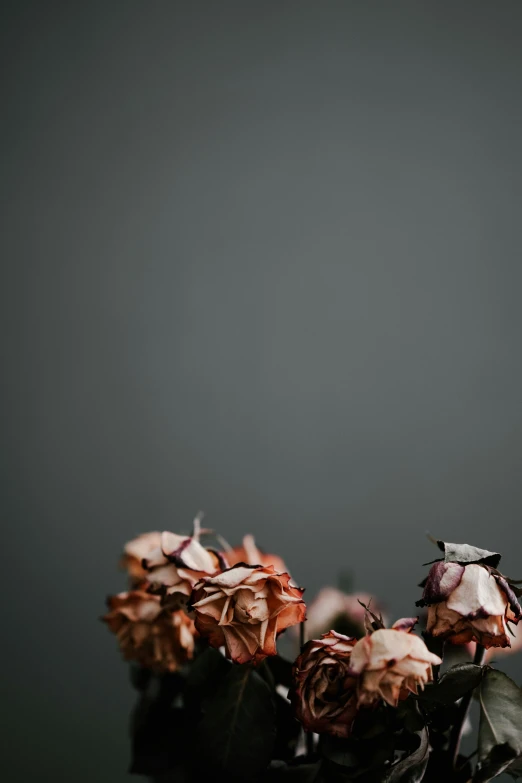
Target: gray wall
{"x":259,"y":258}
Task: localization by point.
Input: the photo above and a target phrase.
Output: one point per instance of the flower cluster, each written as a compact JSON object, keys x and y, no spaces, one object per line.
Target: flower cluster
{"x":375,"y":692}
{"x":240,"y":599}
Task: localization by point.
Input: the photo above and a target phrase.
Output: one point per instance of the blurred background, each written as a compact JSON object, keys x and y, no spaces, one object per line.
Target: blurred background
{"x":260,"y":259}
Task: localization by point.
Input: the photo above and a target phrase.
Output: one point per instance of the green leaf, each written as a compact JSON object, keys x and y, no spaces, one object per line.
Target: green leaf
{"x":339,"y":751}
{"x":500,"y":729}
{"x":356,"y":759}
{"x":412,"y":768}
{"x":453,"y":684}
{"x":298,"y":773}
{"x":465,"y":554}
{"x":237,"y":732}
{"x":281,"y":669}
{"x":288,"y":730}
{"x":205,"y":674}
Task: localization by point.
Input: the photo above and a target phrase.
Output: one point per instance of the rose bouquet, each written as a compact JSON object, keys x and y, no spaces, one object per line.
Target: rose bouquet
{"x":361,"y":701}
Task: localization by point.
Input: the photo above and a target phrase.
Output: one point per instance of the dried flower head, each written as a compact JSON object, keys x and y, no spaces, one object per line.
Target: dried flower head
{"x":250,"y":554}
{"x":148,"y":633}
{"x":244,"y":608}
{"x":345,"y":613}
{"x":135,"y":551}
{"x":391,"y":663}
{"x":324,"y":690}
{"x":177,"y":564}
{"x":470,"y":601}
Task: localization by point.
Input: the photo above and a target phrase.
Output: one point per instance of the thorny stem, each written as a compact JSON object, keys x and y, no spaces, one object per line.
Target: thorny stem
{"x":456,"y":732}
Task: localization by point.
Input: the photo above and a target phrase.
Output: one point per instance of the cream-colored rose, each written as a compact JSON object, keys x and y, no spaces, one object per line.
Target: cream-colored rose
{"x":324,"y":691}
{"x":244,"y":609}
{"x":390,"y":664}
{"x":470,"y":603}
{"x":135,"y":551}
{"x":249,"y":553}
{"x":177,"y":564}
{"x":148,"y":633}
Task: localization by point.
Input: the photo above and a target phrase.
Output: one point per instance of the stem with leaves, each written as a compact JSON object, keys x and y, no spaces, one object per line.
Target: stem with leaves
{"x":458,"y":727}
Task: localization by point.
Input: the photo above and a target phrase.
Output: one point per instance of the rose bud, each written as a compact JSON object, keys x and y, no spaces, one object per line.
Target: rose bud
{"x":390,"y":664}
{"x":345,"y":613}
{"x":324,"y":691}
{"x":470,"y":603}
{"x":148,"y":633}
{"x":245,"y":608}
{"x":135,"y":551}
{"x":251,"y":555}
{"x":177,"y":564}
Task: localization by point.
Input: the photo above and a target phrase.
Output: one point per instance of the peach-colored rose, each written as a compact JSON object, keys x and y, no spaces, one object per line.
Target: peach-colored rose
{"x":332,"y":608}
{"x":135,"y":551}
{"x":249,"y":553}
{"x":148,"y":633}
{"x":244,"y":609}
{"x":177,"y":564}
{"x":390,"y":664}
{"x":470,"y":603}
{"x":324,"y":691}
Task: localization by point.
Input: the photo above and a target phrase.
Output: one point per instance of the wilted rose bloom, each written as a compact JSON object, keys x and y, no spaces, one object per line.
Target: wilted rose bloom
{"x":324,"y":691}
{"x":470,"y":603}
{"x":148,"y":633}
{"x":177,"y":564}
{"x":135,"y":551}
{"x":334,"y":609}
{"x":390,"y":664}
{"x":250,"y":554}
{"x":244,"y":609}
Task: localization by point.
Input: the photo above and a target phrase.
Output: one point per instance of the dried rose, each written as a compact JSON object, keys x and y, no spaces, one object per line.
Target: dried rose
{"x":245,"y":608}
{"x":177,"y":564}
{"x":470,"y":603}
{"x":390,"y":664}
{"x":135,"y":551}
{"x":249,"y":553}
{"x":324,"y":691}
{"x":148,"y":633}
{"x":332,"y":608}
{"x":500,"y":652}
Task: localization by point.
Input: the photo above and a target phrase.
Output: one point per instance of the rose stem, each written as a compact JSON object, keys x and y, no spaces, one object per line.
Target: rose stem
{"x":309,"y":737}
{"x":456,"y":732}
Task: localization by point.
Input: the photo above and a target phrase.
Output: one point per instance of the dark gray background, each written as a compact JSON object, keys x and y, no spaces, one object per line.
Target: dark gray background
{"x":259,"y":258}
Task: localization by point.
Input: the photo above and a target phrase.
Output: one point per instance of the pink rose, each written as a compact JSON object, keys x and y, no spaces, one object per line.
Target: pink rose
{"x":244,"y":608}
{"x":324,"y":690}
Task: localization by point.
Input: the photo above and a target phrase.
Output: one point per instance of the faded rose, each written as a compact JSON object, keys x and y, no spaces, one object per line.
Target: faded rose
{"x":391,"y":663}
{"x":324,"y":691}
{"x":135,"y":551}
{"x":470,"y":603}
{"x":249,"y":553}
{"x":332,"y":608}
{"x":244,"y":609}
{"x":148,"y":633}
{"x":177,"y":564}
